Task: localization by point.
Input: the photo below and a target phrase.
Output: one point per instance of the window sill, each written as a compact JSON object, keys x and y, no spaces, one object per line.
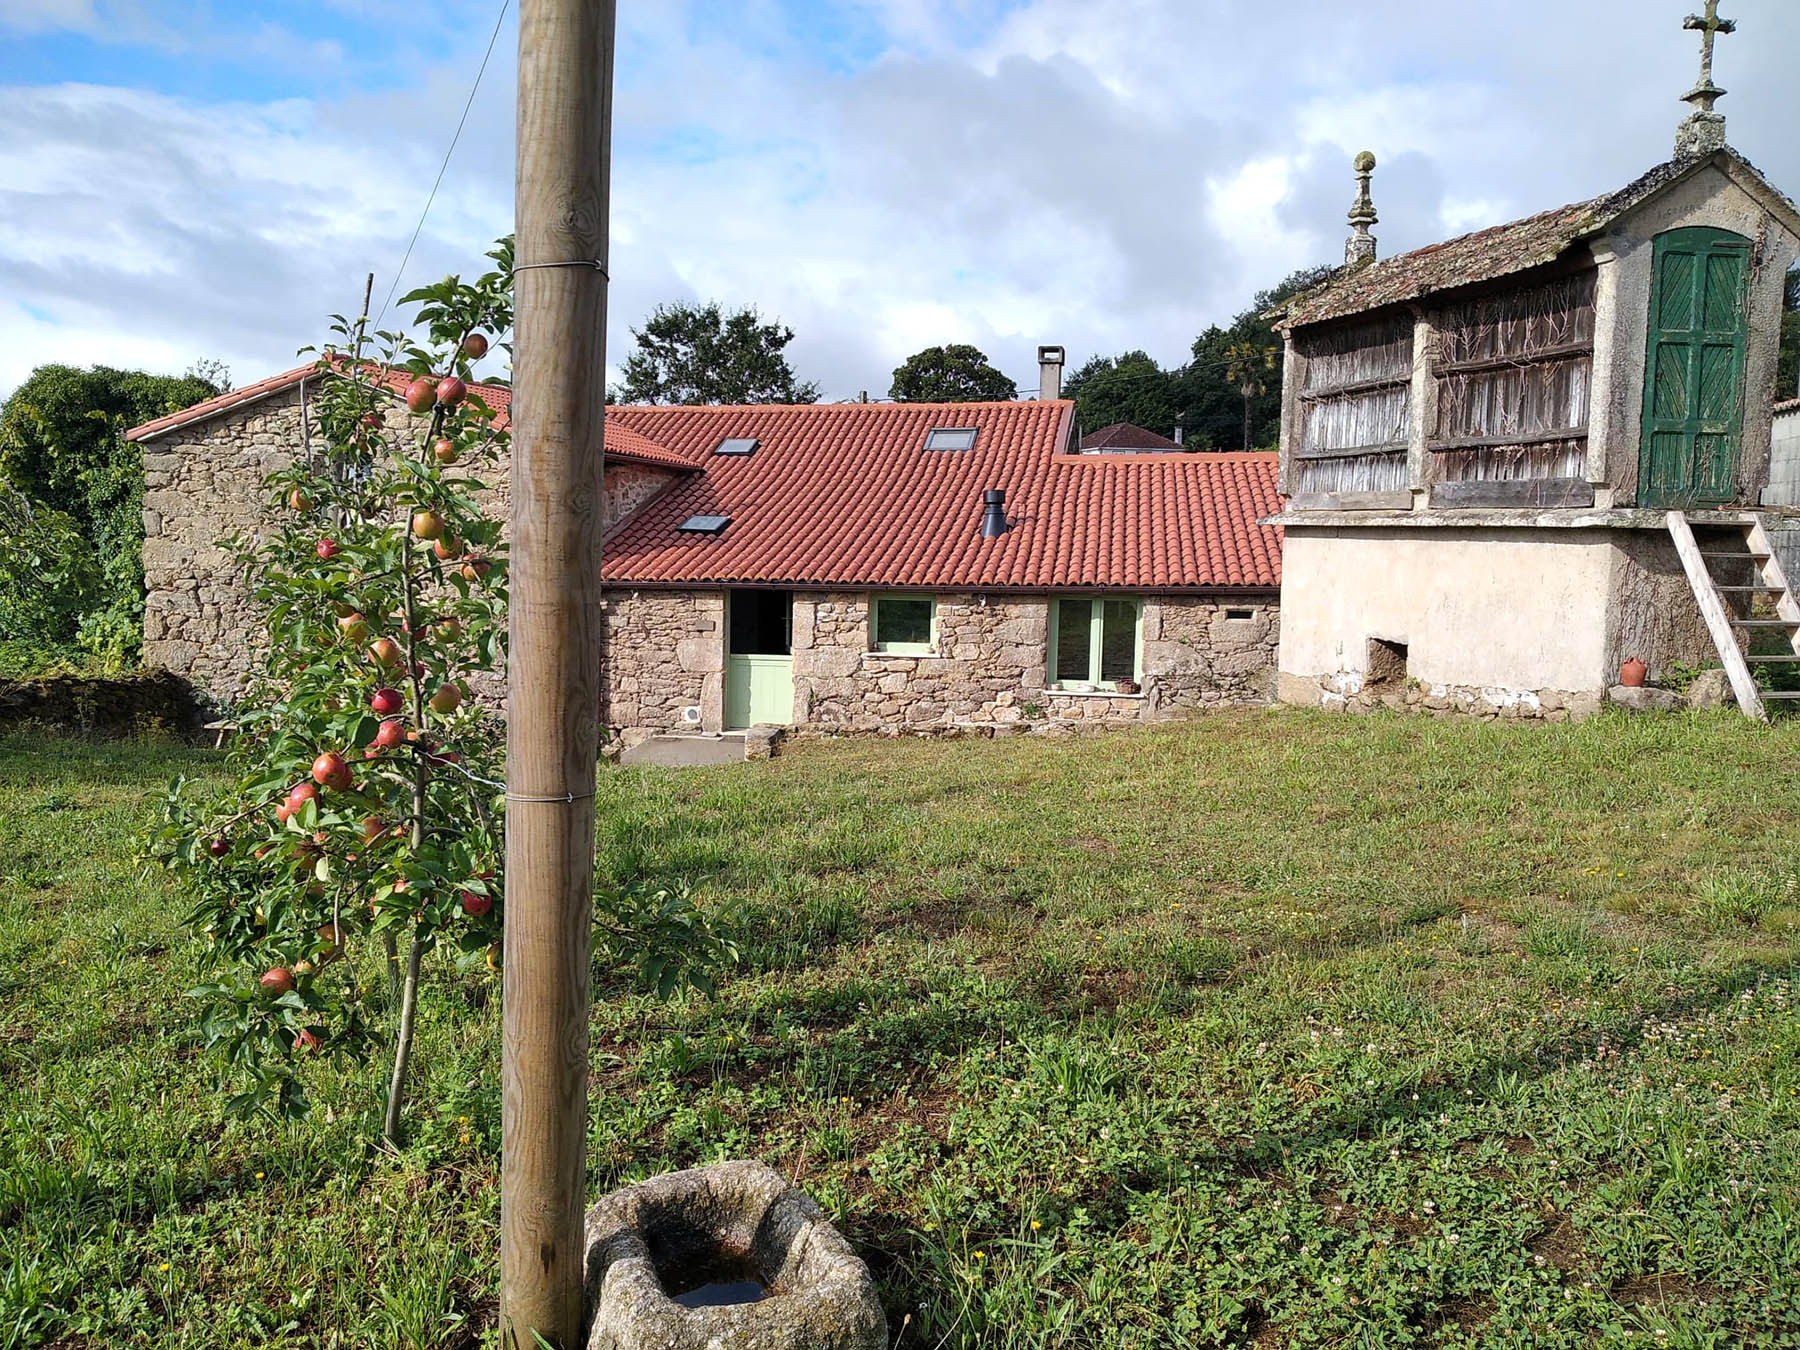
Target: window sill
{"x":1090,"y":693}
{"x":901,"y":656}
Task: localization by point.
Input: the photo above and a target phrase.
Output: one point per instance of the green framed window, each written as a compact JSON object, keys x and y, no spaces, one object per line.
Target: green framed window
{"x":904,"y":624}
{"x":1095,"y":641}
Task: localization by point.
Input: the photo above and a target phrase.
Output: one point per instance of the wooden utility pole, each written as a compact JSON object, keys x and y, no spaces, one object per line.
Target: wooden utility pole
{"x":554,"y":667}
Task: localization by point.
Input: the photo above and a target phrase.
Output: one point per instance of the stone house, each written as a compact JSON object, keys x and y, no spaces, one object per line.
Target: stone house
{"x":1517,"y":459}
{"x":857,"y":567}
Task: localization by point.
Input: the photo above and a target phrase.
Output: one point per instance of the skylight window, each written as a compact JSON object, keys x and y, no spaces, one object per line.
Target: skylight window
{"x":951,"y":438}
{"x":738,"y":445}
{"x":703,"y":524}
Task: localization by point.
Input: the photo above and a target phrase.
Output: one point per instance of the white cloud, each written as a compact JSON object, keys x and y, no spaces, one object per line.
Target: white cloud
{"x":1104,"y":176}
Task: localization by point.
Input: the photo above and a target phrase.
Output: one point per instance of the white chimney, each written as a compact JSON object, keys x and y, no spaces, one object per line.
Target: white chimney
{"x":1050,"y":364}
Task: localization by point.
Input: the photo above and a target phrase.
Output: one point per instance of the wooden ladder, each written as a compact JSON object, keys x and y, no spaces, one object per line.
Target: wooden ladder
{"x":1733,"y":626}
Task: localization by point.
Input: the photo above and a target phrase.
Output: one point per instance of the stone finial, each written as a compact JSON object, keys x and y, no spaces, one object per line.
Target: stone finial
{"x":1703,"y":130}
{"x":1360,"y":248}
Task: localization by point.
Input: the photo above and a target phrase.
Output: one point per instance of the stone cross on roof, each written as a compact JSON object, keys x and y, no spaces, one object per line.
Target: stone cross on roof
{"x":1703,"y":131}
{"x":1360,"y":247}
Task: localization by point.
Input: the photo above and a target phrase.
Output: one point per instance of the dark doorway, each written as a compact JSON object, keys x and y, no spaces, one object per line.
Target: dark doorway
{"x":761,"y":624}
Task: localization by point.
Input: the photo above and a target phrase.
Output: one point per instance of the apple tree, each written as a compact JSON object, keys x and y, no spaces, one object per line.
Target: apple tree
{"x":367,"y":800}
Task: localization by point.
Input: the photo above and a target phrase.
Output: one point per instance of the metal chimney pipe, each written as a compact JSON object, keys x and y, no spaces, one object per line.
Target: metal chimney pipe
{"x":1050,"y":364}
{"x":993,"y":519}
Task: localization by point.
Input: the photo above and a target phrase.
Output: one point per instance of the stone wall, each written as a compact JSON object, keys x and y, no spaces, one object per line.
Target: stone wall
{"x":152,"y":704}
{"x":204,"y":481}
{"x":667,"y":655}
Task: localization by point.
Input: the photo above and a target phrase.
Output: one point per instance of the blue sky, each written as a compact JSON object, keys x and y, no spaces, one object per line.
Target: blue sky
{"x":208,"y":179}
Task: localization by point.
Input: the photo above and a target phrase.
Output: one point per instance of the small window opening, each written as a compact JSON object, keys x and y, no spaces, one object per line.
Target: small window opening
{"x":1386,"y":666}
{"x":951,"y":438}
{"x":738,"y":445}
{"x":1240,"y":614}
{"x":761,"y":623}
{"x":703,"y":524}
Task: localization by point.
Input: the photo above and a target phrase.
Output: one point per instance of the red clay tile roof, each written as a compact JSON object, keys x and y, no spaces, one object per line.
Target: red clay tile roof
{"x":621,"y":444}
{"x":1788,"y":405}
{"x":846,"y":494}
{"x":1126,"y":436}
{"x":1504,"y":249}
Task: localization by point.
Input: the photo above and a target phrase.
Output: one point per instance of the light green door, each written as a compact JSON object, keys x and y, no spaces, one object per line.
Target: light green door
{"x":759,"y":690}
{"x":759,"y":661}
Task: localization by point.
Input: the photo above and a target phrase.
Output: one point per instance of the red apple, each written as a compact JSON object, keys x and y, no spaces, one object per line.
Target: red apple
{"x":451,"y":391}
{"x":331,"y":939}
{"x":385,"y":651}
{"x":299,"y":500}
{"x":451,"y":628}
{"x":428,"y":525}
{"x":372,"y":829}
{"x":306,"y":1040}
{"x":354,"y":627}
{"x":386,"y":702}
{"x":447,"y":548}
{"x":278,"y":980}
{"x":371,"y":421}
{"x":445,"y":451}
{"x":219,"y":846}
{"x":475,"y":906}
{"x":475,"y":346}
{"x":331,"y":770}
{"x":326,"y":549}
{"x":421,"y":394}
{"x":446,"y":700}
{"x":302,"y":794}
{"x":391,"y":734}
{"x":282,"y":812}
{"x":475,"y":570}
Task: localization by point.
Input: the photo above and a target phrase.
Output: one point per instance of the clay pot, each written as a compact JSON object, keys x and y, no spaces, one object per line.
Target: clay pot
{"x":1632,"y":673}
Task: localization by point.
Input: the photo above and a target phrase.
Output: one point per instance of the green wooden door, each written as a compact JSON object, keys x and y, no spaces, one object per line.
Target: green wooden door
{"x":759,"y":660}
{"x":1694,"y":370}
{"x":759,"y":691}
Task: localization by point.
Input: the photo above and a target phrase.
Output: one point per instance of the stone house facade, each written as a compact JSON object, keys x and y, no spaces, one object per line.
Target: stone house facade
{"x":876,"y":568}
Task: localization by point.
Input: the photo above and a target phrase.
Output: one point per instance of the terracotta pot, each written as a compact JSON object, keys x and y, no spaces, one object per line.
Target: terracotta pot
{"x":1632,"y":673}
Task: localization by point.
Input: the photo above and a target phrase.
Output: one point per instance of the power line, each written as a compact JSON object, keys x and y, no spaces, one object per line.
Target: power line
{"x":438,"y":182}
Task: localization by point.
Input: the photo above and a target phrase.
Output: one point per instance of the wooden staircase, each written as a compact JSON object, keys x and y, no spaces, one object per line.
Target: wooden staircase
{"x":1731,"y":610}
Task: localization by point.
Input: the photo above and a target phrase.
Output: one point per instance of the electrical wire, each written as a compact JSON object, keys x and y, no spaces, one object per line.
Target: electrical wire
{"x":438,"y":182}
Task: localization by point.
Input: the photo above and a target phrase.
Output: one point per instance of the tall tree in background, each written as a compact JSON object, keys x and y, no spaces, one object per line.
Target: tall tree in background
{"x":957,"y":373}
{"x":1127,"y":388}
{"x":1247,"y":366}
{"x":63,"y":454}
{"x":692,"y":354}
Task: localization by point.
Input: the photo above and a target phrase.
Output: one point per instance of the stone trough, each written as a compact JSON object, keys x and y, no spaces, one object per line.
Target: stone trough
{"x":728,"y":1257}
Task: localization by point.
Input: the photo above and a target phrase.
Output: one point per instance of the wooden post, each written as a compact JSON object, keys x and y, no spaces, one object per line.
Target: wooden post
{"x":554,"y":667}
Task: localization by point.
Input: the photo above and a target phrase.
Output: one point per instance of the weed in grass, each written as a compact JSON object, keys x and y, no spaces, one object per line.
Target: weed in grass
{"x":1733,"y":897}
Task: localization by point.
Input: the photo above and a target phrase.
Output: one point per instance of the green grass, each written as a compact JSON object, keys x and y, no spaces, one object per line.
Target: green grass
{"x":1271,"y":1029}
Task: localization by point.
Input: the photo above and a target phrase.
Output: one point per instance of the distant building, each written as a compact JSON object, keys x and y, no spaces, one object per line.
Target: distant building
{"x":1122,"y":438}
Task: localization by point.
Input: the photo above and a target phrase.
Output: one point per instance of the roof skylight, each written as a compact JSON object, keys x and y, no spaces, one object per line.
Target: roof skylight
{"x":703,"y":524}
{"x":951,"y":438}
{"x":738,"y":445}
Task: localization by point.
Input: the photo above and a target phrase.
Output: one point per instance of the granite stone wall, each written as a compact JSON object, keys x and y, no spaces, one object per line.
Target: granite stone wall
{"x":667,"y":655}
{"x":204,"y":482}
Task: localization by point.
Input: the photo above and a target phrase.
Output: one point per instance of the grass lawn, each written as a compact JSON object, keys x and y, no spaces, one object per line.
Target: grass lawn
{"x":1272,"y":1029}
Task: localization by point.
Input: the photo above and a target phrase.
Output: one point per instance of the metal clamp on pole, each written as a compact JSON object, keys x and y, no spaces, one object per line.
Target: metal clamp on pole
{"x":594,"y":263}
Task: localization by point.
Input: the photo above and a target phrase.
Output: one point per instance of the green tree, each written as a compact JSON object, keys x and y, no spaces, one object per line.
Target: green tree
{"x":1247,"y":365}
{"x":691,"y":354}
{"x":956,"y":373}
{"x":62,"y":448}
{"x":1126,"y":388}
{"x":368,"y":799}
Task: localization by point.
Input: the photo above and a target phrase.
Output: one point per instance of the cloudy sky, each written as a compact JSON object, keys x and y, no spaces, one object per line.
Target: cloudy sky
{"x":211,"y":178}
